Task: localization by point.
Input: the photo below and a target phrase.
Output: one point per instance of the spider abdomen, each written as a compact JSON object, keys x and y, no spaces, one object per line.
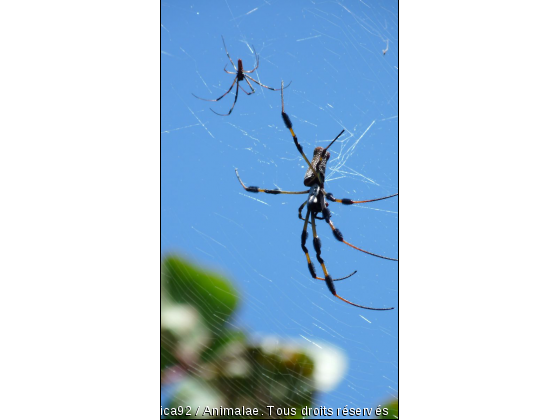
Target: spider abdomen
{"x":319,"y":163}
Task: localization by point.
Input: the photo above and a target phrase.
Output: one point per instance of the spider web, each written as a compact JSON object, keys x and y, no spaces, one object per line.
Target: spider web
{"x":333,"y":52}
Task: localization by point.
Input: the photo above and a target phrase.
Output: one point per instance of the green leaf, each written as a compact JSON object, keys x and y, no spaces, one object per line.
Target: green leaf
{"x":220,"y":345}
{"x":211,"y":294}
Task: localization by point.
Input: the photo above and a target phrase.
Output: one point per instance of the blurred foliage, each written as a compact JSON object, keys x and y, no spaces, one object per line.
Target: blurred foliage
{"x":392,"y":410}
{"x":207,"y":362}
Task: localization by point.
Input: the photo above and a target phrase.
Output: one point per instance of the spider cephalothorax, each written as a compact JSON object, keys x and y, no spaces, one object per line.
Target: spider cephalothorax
{"x":316,"y":195}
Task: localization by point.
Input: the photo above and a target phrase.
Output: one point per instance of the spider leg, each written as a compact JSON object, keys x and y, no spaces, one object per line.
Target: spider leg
{"x":216,"y":100}
{"x":230,"y":72}
{"x":250,"y":85}
{"x":258,"y":190}
{"x":323,"y":154}
{"x":257,"y":61}
{"x":225,"y":48}
{"x":300,"y":209}
{"x":338,"y":235}
{"x":328,"y":278}
{"x":305,"y":250}
{"x":288,"y":124}
{"x":265,"y":86}
{"x":248,"y":93}
{"x":234,"y":101}
{"x":330,"y":197}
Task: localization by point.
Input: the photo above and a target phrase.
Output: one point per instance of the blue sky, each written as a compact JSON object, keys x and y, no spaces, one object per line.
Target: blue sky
{"x":333,"y":54}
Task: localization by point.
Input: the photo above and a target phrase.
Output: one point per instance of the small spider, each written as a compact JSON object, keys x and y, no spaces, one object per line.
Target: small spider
{"x":240,"y":75}
{"x":315,"y":180}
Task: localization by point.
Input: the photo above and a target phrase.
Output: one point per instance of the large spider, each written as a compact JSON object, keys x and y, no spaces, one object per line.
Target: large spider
{"x":315,"y":180}
{"x":240,"y":75}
